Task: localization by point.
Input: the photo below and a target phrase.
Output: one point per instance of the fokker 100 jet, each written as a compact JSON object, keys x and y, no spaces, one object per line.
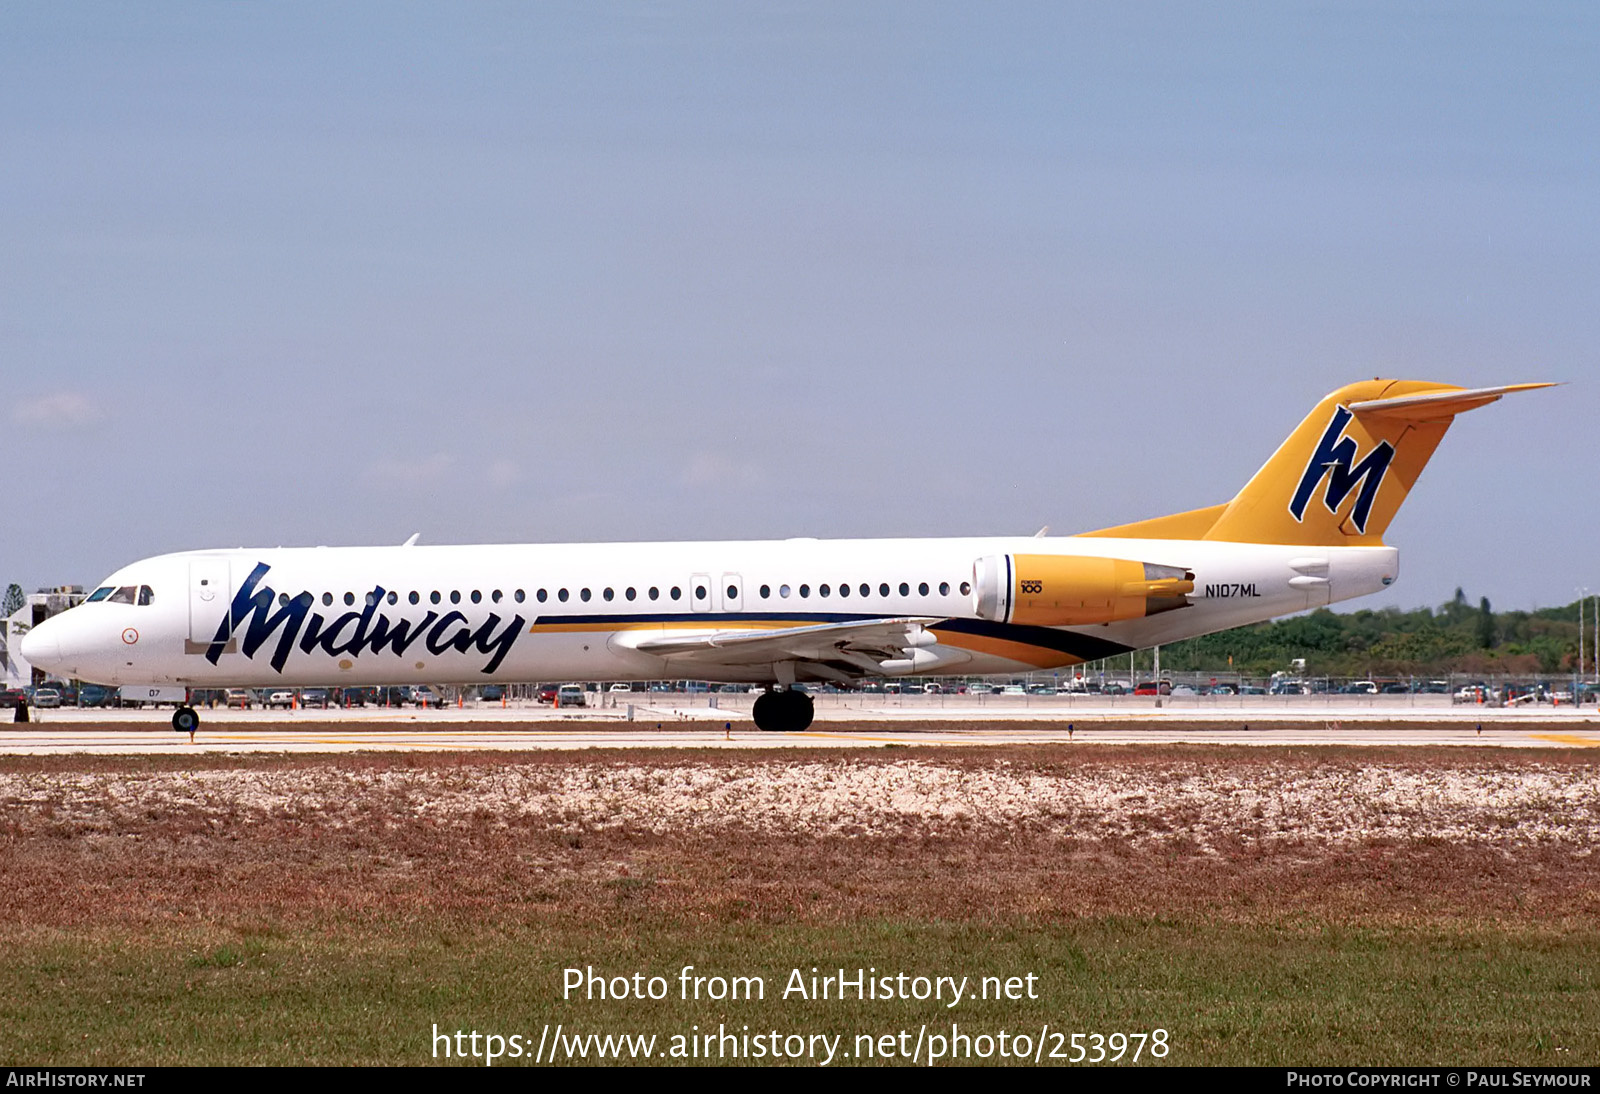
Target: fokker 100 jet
{"x":1307,"y":530}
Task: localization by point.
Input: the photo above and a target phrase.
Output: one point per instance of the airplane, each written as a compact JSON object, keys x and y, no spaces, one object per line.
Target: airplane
{"x":1305,"y":531}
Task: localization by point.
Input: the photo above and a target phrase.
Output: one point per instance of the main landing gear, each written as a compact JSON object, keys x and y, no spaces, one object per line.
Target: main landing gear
{"x":786,"y":711}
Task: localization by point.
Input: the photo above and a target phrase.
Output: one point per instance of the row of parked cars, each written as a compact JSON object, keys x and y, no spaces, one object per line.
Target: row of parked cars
{"x":419,"y":695}
{"x":47,"y":696}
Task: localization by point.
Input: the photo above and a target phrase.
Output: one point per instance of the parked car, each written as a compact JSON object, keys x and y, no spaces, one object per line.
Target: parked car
{"x":357,"y":697}
{"x":46,"y":697}
{"x":493,"y":693}
{"x":547,"y":692}
{"x":282,"y":697}
{"x":424,"y":696}
{"x":10,"y":697}
{"x":94,"y":695}
{"x":571,"y":695}
{"x":1150,"y":687}
{"x":314,"y":697}
{"x":241,"y":698}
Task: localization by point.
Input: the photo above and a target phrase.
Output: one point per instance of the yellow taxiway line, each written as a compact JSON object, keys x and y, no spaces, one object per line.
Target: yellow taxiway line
{"x":1568,"y":739}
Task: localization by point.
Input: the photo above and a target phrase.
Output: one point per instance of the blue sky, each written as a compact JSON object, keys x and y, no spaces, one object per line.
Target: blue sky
{"x":542,"y":272}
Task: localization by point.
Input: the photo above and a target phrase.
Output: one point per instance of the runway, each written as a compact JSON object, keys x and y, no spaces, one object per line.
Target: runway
{"x":329,"y":737}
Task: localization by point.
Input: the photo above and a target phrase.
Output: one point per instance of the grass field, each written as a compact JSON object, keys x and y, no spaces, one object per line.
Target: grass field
{"x":1265,"y":906}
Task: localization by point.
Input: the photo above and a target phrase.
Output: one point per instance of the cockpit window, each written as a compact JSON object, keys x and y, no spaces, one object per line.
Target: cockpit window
{"x":146,"y":595}
{"x":101,"y":593}
{"x":123,"y":595}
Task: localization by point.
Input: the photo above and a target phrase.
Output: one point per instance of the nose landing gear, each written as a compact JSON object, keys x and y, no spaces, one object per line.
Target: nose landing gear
{"x":185,"y":720}
{"x":786,"y":711}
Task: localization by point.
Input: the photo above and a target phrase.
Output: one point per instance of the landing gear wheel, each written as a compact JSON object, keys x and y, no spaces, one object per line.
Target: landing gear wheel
{"x":765,"y":712}
{"x":786,"y":711}
{"x":184,"y":720}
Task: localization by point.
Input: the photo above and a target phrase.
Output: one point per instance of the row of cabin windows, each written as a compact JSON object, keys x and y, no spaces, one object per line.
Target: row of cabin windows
{"x":476,"y":596}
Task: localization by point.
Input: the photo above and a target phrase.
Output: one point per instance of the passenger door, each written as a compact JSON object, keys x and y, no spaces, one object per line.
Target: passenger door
{"x":210,"y":598}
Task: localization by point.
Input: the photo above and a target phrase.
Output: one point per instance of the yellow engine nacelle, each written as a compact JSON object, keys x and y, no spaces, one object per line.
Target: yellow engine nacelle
{"x":1071,"y":590}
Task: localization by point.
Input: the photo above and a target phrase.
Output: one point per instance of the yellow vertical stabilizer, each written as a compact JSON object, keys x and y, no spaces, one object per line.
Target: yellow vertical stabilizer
{"x":1341,"y":476}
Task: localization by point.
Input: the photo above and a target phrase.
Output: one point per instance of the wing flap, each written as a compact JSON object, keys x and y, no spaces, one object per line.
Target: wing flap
{"x":874,"y":640}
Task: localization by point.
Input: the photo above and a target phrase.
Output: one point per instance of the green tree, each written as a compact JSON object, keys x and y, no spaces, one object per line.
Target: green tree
{"x":13,"y":602}
{"x":1485,"y":625}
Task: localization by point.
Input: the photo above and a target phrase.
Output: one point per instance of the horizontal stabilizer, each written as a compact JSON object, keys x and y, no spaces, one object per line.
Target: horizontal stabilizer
{"x":1436,"y":404}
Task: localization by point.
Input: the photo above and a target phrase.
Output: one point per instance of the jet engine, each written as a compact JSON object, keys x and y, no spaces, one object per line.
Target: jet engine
{"x":1072,"y":590}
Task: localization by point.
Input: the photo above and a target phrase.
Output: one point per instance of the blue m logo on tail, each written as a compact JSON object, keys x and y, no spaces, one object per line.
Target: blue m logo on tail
{"x":1335,"y":460}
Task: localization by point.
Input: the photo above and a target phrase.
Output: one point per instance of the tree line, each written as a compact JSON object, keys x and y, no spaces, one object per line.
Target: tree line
{"x":1457,"y":637}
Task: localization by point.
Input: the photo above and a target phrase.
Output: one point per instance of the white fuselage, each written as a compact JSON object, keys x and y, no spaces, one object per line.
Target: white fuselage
{"x":468,"y":614}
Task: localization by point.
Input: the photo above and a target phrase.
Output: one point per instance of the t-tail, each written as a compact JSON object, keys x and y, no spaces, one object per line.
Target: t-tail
{"x":1342,"y":474}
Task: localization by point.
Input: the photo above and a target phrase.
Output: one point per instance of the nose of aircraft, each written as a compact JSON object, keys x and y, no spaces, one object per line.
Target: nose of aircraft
{"x":41,"y":647}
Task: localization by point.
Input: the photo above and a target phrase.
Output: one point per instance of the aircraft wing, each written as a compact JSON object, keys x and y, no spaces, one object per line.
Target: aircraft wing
{"x":831,"y":650}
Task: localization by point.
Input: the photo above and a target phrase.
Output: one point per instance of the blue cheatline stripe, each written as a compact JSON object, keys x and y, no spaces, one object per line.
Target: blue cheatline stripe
{"x":798,"y":618}
{"x":1084,"y":647}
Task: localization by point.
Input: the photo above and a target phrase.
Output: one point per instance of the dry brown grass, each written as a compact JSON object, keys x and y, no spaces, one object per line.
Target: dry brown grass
{"x":1385,"y":836}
